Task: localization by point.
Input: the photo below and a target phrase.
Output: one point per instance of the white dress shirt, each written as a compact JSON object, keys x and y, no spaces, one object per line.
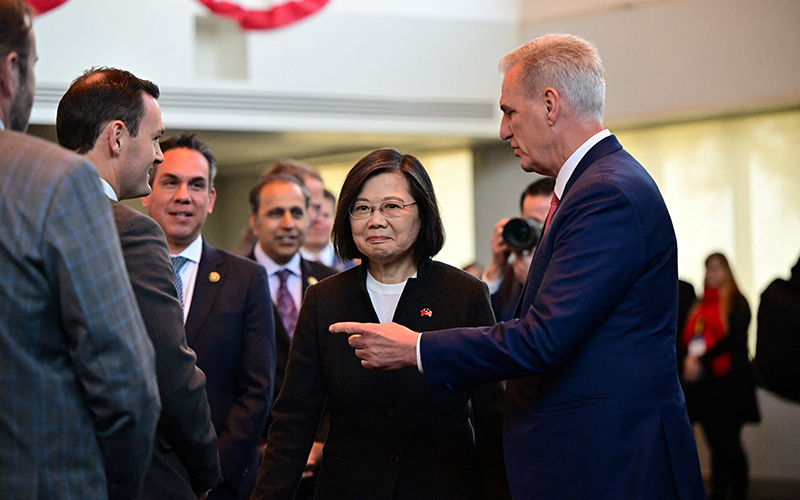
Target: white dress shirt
{"x":294,"y":282}
{"x":188,"y":272}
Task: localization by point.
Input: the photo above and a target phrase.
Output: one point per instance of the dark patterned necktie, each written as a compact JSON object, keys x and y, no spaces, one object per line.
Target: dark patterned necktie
{"x":177,"y":263}
{"x":286,"y":306}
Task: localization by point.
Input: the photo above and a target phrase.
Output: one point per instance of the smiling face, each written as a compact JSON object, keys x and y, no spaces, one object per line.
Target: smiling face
{"x":384,"y":240}
{"x":141,"y":153}
{"x":525,"y":125}
{"x":181,"y":201}
{"x":281,"y":222}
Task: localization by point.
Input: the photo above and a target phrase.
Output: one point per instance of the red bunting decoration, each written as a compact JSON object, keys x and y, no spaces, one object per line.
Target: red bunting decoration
{"x":274,"y":17}
{"x":42,"y":6}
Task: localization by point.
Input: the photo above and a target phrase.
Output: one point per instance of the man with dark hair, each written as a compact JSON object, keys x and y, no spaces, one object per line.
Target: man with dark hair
{"x":279,"y":219}
{"x":79,"y":395}
{"x":506,"y":275}
{"x":115,"y":119}
{"x":593,"y":404}
{"x":312,"y":182}
{"x":227,"y":310}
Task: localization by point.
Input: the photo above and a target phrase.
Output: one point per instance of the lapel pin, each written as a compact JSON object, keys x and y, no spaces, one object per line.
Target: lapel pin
{"x":426,"y":312}
{"x":312,"y":280}
{"x":213,"y":277}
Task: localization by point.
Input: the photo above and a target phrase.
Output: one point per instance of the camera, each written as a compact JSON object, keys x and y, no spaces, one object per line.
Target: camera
{"x":521,"y":234}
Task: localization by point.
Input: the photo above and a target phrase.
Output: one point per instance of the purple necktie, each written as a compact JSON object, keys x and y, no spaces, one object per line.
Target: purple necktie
{"x":286,"y":307}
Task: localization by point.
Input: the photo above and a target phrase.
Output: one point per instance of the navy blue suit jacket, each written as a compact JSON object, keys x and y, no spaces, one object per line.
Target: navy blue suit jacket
{"x":593,"y":404}
{"x":231,"y":329}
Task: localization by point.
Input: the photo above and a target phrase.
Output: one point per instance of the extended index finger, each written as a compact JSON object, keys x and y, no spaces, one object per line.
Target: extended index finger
{"x":350,"y":327}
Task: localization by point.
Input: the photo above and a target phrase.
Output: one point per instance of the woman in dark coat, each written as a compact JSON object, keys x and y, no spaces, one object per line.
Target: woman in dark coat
{"x":717,"y":376}
{"x":388,"y":438}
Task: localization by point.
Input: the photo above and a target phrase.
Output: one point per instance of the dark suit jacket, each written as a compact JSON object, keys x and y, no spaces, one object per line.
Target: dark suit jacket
{"x":78,"y":398}
{"x":504,"y":301}
{"x":595,"y":410}
{"x":230,"y":328}
{"x":389,"y":437}
{"x":312,"y":273}
{"x":778,"y":344}
{"x":185,"y":454}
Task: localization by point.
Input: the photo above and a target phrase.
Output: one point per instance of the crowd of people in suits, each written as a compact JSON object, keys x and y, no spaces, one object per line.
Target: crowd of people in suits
{"x":333,"y":357}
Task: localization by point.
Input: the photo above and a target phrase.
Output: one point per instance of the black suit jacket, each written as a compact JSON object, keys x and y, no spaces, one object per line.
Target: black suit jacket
{"x":389,"y":437}
{"x":185,"y":453}
{"x":231,"y":329}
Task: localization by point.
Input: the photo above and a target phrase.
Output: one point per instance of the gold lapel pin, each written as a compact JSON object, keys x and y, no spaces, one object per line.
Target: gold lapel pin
{"x":312,"y":280}
{"x":213,"y":277}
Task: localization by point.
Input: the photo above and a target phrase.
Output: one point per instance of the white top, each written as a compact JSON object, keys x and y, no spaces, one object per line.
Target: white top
{"x":384,"y":297}
{"x":188,"y":272}
{"x":294,"y":282}
{"x":561,"y":182}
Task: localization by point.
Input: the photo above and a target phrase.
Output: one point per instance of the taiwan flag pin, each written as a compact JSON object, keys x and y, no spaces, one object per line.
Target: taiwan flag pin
{"x":426,"y":312}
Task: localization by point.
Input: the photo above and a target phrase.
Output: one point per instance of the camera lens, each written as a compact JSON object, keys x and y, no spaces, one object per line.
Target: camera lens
{"x":521,"y":234}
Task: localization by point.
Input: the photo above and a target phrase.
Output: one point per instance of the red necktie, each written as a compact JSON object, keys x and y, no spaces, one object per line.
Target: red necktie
{"x":553,"y":204}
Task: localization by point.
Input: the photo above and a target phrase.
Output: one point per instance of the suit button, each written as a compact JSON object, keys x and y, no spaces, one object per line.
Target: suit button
{"x":391,"y":413}
{"x":394,"y":459}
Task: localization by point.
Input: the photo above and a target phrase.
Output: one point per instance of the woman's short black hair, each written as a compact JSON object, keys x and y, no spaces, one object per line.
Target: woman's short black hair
{"x":431,"y":233}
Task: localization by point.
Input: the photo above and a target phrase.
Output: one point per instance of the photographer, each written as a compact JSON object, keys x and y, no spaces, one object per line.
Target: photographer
{"x":509,"y":268}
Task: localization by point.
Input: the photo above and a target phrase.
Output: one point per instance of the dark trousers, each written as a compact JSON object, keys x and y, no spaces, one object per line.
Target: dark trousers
{"x":729,"y":470}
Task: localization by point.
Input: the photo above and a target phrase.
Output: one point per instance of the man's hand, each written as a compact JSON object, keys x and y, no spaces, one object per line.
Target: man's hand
{"x":500,"y":253}
{"x":521,"y":265}
{"x":386,"y":346}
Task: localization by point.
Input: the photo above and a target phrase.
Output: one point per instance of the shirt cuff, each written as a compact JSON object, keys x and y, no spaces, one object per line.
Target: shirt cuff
{"x":494,"y":285}
{"x":419,"y":358}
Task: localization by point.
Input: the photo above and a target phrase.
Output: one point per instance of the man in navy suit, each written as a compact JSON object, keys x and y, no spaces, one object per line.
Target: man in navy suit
{"x":593,"y":404}
{"x":227,"y":312}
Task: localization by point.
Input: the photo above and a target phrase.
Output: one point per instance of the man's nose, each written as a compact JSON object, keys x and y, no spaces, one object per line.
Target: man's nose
{"x":505,"y":129}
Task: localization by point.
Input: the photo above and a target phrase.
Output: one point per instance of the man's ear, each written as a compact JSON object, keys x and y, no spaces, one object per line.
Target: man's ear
{"x":9,"y":74}
{"x":253,"y":223}
{"x":115,"y":134}
{"x":212,"y":197}
{"x":552,"y":104}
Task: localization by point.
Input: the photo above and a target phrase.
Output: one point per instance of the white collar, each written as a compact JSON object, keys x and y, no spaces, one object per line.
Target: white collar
{"x":194,"y":251}
{"x":270,"y":265}
{"x":108,"y":190}
{"x":572,"y":162}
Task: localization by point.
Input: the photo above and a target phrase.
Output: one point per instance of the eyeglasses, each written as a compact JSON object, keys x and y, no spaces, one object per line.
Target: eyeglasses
{"x":389,"y":209}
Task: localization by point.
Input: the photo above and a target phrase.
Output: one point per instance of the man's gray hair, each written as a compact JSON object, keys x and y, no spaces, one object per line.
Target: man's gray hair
{"x":567,"y":63}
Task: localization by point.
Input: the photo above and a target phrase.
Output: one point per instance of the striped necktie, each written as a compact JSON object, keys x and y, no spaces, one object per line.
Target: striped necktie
{"x":177,"y":263}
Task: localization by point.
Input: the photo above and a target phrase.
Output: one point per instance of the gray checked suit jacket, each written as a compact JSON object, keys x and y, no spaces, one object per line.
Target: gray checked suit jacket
{"x":78,"y":396}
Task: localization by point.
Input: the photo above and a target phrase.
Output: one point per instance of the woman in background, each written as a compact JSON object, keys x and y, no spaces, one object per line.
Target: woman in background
{"x":717,"y":376}
{"x":388,"y":437}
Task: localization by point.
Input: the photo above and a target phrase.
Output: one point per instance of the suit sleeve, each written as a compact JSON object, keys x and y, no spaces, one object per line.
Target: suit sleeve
{"x":248,"y":414}
{"x":296,"y":412}
{"x":185,"y":415}
{"x":112,"y":355}
{"x":598,"y":252}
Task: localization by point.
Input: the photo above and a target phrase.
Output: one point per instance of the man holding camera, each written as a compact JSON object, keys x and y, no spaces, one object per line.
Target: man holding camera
{"x":509,"y":268}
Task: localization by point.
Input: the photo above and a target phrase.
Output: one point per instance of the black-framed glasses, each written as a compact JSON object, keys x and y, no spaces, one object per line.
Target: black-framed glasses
{"x":389,"y":209}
